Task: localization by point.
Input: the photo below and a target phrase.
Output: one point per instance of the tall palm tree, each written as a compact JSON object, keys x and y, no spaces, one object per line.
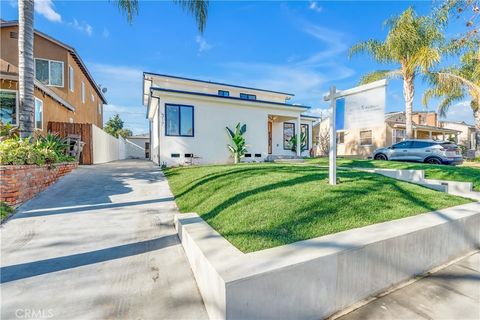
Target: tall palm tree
{"x":413,"y":43}
{"x":454,"y":84}
{"x":199,"y":8}
{"x":25,"y":68}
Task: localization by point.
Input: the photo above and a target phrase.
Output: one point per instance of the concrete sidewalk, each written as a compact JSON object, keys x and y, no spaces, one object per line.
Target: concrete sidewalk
{"x":99,"y":244}
{"x":450,"y":293}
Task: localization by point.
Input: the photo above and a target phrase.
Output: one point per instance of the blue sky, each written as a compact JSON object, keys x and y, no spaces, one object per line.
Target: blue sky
{"x":299,"y":47}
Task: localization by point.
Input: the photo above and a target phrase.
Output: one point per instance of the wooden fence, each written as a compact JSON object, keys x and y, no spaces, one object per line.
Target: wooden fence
{"x":82,"y":129}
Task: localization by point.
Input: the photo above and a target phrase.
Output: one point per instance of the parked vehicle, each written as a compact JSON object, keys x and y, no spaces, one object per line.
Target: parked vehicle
{"x":428,"y":151}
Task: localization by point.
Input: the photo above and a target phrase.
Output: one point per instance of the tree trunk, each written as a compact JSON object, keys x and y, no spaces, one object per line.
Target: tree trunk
{"x":408,"y":93}
{"x":476,"y":116}
{"x":25,"y":68}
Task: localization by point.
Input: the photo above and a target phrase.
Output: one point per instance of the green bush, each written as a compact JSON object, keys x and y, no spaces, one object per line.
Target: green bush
{"x":42,"y":150}
{"x":5,"y":210}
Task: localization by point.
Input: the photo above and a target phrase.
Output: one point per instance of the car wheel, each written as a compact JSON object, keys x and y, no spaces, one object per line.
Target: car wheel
{"x":433,"y":161}
{"x":381,"y":157}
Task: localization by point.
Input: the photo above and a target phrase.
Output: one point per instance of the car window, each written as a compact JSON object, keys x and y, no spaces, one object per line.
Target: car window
{"x":402,"y":145}
{"x":421,"y":144}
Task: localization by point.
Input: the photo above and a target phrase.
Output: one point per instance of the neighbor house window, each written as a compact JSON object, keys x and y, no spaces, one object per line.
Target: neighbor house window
{"x":92,"y":97}
{"x":366,"y":138}
{"x":341,"y":137}
{"x":99,"y":108}
{"x":179,"y":120}
{"x":223,"y":93}
{"x":305,"y":132}
{"x":49,"y":72}
{"x":71,"y":83}
{"x":248,"y":96}
{"x":398,"y":135}
{"x":38,"y":114}
{"x":83,"y":92}
{"x":288,"y":134}
{"x":8,"y":106}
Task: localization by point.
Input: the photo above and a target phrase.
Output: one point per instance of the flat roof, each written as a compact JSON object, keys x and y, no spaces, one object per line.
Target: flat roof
{"x":228,"y":98}
{"x":216,"y":83}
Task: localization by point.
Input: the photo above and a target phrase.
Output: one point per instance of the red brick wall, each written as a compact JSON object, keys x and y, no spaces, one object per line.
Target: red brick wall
{"x":20,"y":183}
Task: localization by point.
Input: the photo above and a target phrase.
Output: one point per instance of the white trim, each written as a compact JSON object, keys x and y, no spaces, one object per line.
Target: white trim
{"x":49,"y":71}
{"x":71,"y":78}
{"x":16,"y":105}
{"x":35,"y":114}
{"x":83,"y":92}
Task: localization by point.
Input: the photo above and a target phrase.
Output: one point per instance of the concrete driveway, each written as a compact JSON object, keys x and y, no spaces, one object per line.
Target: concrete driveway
{"x":99,"y":244}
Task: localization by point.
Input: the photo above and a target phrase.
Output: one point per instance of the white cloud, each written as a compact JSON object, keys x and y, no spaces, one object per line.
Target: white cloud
{"x":82,"y":26}
{"x":313,"y":5}
{"x":203,"y":45}
{"x":460,"y":112}
{"x":46,"y":9}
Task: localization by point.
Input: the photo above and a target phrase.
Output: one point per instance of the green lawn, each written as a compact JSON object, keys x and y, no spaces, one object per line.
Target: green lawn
{"x":443,"y":172}
{"x":259,"y":206}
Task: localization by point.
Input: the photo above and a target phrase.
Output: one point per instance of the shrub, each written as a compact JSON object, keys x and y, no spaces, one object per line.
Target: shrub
{"x":5,"y":210}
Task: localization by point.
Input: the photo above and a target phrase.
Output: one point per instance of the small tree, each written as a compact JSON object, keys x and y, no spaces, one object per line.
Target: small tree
{"x":324,"y":141}
{"x":238,"y":148}
{"x":114,"y":126}
{"x":303,"y":139}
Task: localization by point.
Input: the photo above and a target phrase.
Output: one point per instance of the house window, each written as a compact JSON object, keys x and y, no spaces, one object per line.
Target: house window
{"x":71,"y":83}
{"x":8,"y":106}
{"x":83,"y":92}
{"x":38,"y":114}
{"x":49,"y":72}
{"x":288,"y":134}
{"x":305,"y":132}
{"x":248,"y":96}
{"x":398,"y":135}
{"x":223,"y":93}
{"x":366,"y":138}
{"x":341,"y":137}
{"x":179,"y":120}
{"x":92,"y":97}
{"x":99,"y":108}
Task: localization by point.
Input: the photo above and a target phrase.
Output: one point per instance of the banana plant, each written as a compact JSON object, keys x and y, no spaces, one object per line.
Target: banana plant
{"x":303,"y":139}
{"x":238,"y":148}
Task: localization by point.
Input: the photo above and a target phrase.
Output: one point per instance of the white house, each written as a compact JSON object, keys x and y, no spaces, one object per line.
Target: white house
{"x":188,"y":120}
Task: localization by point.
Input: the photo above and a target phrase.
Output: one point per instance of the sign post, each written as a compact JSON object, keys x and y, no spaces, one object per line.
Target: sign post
{"x":332,"y":153}
{"x":363,"y":107}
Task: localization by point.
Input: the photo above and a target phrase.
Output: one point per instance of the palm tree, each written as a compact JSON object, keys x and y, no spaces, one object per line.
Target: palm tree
{"x":413,"y":43}
{"x":458,"y":83}
{"x":199,"y":8}
{"x":25,"y":68}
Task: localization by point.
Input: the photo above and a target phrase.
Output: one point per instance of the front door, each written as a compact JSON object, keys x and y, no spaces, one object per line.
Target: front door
{"x":269,"y":137}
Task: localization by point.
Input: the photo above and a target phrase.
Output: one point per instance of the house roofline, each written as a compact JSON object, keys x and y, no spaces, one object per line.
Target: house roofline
{"x":228,"y":98}
{"x":216,"y":83}
{"x":72,"y":50}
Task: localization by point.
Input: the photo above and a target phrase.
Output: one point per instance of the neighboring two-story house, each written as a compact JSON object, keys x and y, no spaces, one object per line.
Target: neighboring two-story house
{"x":65,"y":91}
{"x":188,"y":120}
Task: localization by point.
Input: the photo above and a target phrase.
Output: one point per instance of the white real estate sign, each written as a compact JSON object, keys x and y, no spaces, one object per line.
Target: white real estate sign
{"x":365,"y":109}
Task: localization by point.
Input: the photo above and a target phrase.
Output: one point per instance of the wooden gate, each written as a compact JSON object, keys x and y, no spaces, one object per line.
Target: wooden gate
{"x":82,"y":129}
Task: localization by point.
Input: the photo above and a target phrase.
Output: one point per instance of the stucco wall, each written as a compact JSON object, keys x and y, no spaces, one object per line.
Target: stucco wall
{"x":210,"y":136}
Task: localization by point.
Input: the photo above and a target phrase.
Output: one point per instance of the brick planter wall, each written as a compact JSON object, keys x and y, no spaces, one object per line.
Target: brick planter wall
{"x":19,"y":183}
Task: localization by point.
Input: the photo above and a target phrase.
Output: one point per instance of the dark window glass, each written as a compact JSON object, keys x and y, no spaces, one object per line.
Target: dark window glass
{"x":421,"y":144}
{"x":41,"y":71}
{"x":248,"y":155}
{"x":403,"y":145}
{"x":179,"y":120}
{"x":175,"y":155}
{"x":188,"y":155}
{"x":258,"y":155}
{"x":8,"y":107}
{"x":248,"y":96}
{"x":223,"y":93}
{"x":288,"y":134}
{"x":305,"y":145}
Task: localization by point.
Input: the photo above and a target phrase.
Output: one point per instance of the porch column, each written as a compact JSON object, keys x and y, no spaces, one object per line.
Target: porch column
{"x":299,"y":135}
{"x":430,"y":135}
{"x":443,"y":135}
{"x":415,"y":133}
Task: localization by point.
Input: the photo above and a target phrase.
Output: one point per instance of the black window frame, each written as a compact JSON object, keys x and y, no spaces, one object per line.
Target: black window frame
{"x":224,"y":93}
{"x":283,"y":135}
{"x":247,"y":96}
{"x":179,"y":106}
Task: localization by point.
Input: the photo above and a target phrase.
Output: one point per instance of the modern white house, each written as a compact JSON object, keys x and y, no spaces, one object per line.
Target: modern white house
{"x":188,"y":120}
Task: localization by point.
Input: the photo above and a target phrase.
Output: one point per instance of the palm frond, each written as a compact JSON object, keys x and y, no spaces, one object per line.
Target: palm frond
{"x":129,"y":8}
{"x":198,"y":8}
{"x":379,"y":75}
{"x":373,"y":47}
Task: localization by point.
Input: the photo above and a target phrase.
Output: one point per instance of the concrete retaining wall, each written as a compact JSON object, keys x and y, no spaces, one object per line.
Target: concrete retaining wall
{"x":315,"y":278}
